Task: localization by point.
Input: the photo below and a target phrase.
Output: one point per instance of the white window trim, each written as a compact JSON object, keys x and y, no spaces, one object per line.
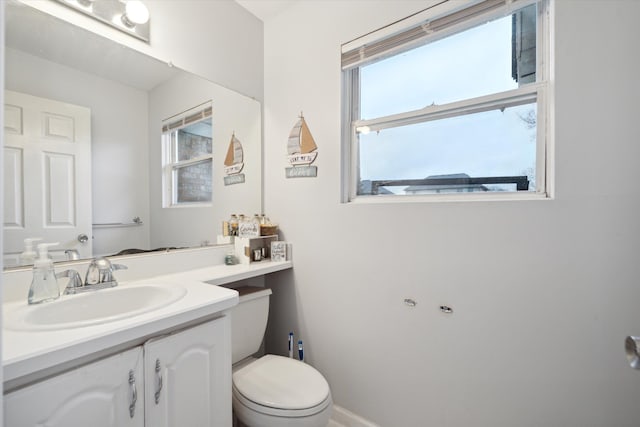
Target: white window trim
{"x":511,"y":98}
{"x":169,"y":127}
{"x":541,"y":92}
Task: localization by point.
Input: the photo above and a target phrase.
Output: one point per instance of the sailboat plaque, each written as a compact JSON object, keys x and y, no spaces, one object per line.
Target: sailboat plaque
{"x":302,"y":151}
{"x":234,"y":162}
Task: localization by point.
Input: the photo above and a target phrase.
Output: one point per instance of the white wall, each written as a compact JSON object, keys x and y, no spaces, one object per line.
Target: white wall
{"x":118,"y":147}
{"x":543,"y":292}
{"x":216,"y":39}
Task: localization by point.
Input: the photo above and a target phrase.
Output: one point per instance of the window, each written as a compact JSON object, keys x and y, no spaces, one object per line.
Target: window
{"x":454,"y":102}
{"x":187,"y":158}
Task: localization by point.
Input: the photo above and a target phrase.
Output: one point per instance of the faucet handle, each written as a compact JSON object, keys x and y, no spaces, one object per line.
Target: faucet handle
{"x":92,"y":277}
{"x":98,"y":269}
{"x":118,"y":267}
{"x":101,"y":271}
{"x":72,"y":254}
{"x":75,"y":282}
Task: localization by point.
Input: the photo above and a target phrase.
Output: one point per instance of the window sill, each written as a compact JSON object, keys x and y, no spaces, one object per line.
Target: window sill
{"x":451,"y":197}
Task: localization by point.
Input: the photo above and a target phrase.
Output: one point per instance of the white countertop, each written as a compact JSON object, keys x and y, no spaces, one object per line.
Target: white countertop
{"x":29,"y":354}
{"x":224,"y":274}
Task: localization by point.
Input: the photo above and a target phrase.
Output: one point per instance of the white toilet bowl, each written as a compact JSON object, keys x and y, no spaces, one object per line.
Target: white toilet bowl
{"x":272,"y":391}
{"x":275,"y":391}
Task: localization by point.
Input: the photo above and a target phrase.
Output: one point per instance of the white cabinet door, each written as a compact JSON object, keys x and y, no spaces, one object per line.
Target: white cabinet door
{"x":192,"y":380}
{"x":100,"y":394}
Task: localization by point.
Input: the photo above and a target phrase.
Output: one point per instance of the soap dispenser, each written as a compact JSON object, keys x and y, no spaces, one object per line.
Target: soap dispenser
{"x":44,"y":286}
{"x":29,"y":255}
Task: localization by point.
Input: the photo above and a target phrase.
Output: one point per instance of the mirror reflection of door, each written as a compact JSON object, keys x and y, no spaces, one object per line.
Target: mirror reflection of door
{"x":47,"y":176}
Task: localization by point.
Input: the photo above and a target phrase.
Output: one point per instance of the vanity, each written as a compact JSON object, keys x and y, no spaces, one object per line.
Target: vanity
{"x":153,"y":351}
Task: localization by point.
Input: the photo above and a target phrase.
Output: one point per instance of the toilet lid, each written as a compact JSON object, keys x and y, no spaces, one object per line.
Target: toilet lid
{"x":280,"y":382}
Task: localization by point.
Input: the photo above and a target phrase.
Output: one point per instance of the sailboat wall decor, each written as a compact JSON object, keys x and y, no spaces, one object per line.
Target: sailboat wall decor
{"x":302,"y":151}
{"x":234,"y":162}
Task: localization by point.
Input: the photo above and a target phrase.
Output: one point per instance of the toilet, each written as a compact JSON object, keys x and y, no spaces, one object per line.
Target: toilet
{"x":271,"y":391}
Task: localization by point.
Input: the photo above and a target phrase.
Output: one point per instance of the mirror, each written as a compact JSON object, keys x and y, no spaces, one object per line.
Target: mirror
{"x":129,"y":96}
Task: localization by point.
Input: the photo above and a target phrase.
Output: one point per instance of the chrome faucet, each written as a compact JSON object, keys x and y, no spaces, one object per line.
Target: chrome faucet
{"x":99,"y":276}
{"x":75,"y":282}
{"x":100,"y":273}
{"x":72,"y":254}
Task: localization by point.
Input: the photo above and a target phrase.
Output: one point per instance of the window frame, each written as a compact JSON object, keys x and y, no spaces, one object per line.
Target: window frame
{"x":170,"y":164}
{"x":537,"y":92}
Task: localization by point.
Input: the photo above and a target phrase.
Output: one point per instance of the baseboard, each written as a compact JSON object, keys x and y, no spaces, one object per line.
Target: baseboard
{"x":349,"y":419}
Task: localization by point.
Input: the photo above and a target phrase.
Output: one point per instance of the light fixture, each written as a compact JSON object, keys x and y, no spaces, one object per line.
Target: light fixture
{"x":136,"y":13}
{"x":131,"y":16}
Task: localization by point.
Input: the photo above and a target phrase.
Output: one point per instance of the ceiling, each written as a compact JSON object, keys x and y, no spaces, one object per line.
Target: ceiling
{"x":265,"y":9}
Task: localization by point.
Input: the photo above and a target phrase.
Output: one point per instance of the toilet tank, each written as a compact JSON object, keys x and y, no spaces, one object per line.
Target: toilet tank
{"x":249,"y":321}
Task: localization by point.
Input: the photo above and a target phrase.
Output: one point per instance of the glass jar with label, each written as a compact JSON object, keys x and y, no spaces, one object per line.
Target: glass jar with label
{"x":233,"y":225}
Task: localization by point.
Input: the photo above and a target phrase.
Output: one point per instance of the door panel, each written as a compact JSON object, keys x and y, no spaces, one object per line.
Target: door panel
{"x":192,"y":379}
{"x":13,"y":193}
{"x":60,"y":204}
{"x":98,"y":395}
{"x":47,"y":174}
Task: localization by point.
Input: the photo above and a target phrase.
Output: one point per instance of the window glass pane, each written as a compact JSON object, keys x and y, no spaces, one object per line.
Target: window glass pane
{"x":194,"y":140}
{"x":488,"y":144}
{"x":490,"y":58}
{"x":193,"y":182}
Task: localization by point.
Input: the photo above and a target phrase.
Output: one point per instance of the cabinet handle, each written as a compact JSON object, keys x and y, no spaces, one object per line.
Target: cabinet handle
{"x":158,"y":381}
{"x":134,"y":394}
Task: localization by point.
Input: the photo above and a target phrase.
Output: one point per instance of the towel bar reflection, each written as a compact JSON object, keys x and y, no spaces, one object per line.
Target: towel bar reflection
{"x":134,"y":223}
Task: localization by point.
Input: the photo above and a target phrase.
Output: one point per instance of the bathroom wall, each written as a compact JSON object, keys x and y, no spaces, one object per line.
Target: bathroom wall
{"x":218,"y":40}
{"x":543,"y":292}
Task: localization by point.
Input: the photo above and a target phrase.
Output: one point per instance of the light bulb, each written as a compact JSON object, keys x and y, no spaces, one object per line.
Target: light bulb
{"x":136,"y":13}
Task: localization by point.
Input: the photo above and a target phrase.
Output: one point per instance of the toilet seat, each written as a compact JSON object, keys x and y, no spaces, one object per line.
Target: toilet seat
{"x":277,"y":412}
{"x":273,"y":385}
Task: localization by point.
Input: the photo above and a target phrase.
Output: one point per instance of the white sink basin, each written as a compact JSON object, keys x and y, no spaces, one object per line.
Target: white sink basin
{"x":91,"y":308}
